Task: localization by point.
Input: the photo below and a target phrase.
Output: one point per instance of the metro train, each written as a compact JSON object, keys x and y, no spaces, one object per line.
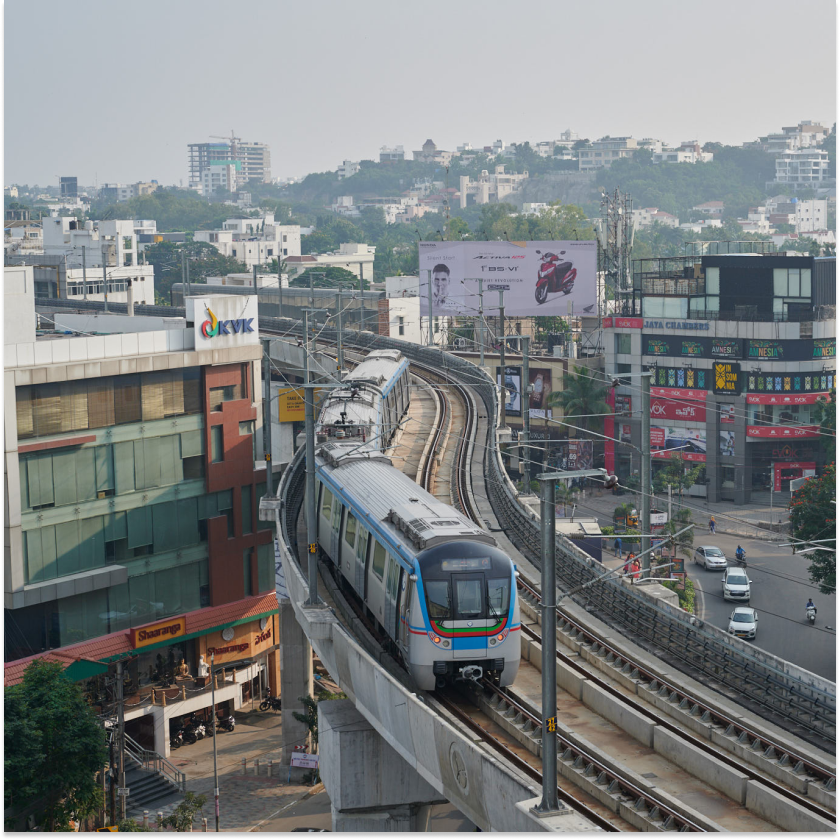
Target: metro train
{"x":437,"y":585}
{"x":373,"y":403}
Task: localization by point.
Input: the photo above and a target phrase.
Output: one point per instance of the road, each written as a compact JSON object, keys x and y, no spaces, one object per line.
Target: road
{"x":780,"y":589}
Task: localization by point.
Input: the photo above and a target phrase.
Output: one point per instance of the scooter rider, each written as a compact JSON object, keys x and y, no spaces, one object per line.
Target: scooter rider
{"x":811,"y":606}
{"x":739,"y":553}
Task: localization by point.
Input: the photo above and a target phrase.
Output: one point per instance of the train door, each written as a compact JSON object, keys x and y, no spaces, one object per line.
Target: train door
{"x":469,"y":615}
{"x":335,"y":530}
{"x":348,"y":546}
{"x":406,"y":590}
{"x":391,"y":590}
{"x":376,"y":581}
{"x":361,"y":562}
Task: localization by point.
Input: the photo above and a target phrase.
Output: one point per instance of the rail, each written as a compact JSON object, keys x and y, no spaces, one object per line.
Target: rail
{"x":151,"y":760}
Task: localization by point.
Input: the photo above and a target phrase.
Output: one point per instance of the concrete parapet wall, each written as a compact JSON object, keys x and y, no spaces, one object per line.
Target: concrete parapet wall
{"x":705,"y":767}
{"x":634,"y":724}
{"x":782,"y":812}
{"x":567,"y":678}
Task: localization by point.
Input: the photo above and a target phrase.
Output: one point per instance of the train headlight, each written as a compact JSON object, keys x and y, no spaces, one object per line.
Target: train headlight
{"x":492,"y":642}
{"x":501,"y":636}
{"x":446,"y":643}
{"x":437,"y":640}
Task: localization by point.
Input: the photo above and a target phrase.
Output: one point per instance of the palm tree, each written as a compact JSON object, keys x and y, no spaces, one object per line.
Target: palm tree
{"x":583,"y":401}
{"x":565,"y":495}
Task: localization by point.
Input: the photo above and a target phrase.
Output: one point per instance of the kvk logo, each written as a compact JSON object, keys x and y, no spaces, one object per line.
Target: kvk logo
{"x":214,"y":327}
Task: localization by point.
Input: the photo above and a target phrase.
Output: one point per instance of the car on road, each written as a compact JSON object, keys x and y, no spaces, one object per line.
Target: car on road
{"x":743,"y":622}
{"x":710,"y":556}
{"x":736,"y":585}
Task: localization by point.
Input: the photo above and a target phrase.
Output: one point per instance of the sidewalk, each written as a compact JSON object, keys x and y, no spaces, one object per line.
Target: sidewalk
{"x":738,"y":520}
{"x":244,"y":799}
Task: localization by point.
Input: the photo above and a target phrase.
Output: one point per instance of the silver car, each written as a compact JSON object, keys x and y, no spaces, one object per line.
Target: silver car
{"x":710,"y":556}
{"x":736,"y":585}
{"x":743,"y":622}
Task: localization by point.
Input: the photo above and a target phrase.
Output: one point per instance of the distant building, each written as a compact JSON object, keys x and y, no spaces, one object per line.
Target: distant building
{"x":357,"y":258}
{"x":710,"y":207}
{"x":68,"y":186}
{"x":431,"y":154}
{"x":647,"y":216}
{"x":605,"y":151}
{"x":490,"y":189}
{"x":23,"y":237}
{"x":116,"y":193}
{"x":802,"y":167}
{"x":689,"y":152}
{"x":254,"y":241}
{"x":348,"y":169}
{"x":391,"y":155}
{"x":12,"y":192}
{"x":253,"y":159}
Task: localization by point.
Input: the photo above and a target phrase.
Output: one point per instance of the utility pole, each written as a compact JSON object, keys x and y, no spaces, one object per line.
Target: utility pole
{"x":362,"y":297}
{"x":431,"y":320}
{"x":502,"y":351}
{"x":340,"y":336}
{"x":549,"y":802}
{"x":645,"y":474}
{"x":184,"y":273}
{"x":84,"y":269}
{"x":267,"y":416}
{"x":279,"y":287}
{"x":189,"y":289}
{"x":526,"y":412}
{"x":105,"y":276}
{"x":113,"y":779}
{"x":481,"y":319}
{"x":215,"y":758}
{"x":121,"y":735}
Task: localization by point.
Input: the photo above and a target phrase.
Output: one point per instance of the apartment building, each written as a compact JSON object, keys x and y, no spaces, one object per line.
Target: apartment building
{"x":802,"y":167}
{"x":254,"y":241}
{"x":133,"y":474}
{"x":391,"y":155}
{"x":116,"y":193}
{"x":355,"y":257}
{"x":348,"y":169}
{"x":605,"y":151}
{"x":490,"y":189}
{"x":687,"y":152}
{"x":647,"y":216}
{"x":254,"y":161}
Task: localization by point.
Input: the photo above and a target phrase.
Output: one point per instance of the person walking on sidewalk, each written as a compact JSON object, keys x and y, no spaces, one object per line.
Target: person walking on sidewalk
{"x":712,"y":525}
{"x":617,"y":547}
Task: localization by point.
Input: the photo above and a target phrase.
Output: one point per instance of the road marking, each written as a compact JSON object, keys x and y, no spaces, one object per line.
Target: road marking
{"x":319,"y":788}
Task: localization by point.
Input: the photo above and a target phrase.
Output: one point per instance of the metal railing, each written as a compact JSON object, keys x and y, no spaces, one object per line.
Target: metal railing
{"x":154,"y":761}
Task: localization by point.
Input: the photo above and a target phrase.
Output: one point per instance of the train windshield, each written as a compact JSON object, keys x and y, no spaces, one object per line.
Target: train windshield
{"x":475,"y":596}
{"x":469,"y":596}
{"x":439,"y":599}
{"x":497,"y":594}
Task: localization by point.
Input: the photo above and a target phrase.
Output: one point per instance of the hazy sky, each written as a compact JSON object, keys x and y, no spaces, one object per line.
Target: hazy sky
{"x":114,"y":91}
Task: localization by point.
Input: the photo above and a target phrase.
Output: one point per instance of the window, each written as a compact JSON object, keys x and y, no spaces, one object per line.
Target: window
{"x":226,"y":393}
{"x":336,"y":515}
{"x":326,"y":504}
{"x":401,"y":325}
{"x":497,"y":595}
{"x":247,"y":510}
{"x":379,"y":555}
{"x":217,"y":453}
{"x":127,"y":246}
{"x":361,"y":545}
{"x":350,"y":531}
{"x":246,"y":570}
{"x":622,"y":343}
{"x":438,"y":599}
{"x":469,"y":595}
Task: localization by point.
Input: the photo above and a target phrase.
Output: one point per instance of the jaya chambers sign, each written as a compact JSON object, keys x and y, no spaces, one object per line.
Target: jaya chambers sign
{"x":538,"y":278}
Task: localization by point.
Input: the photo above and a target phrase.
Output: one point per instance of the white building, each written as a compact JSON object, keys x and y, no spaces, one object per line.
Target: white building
{"x":646,"y":216}
{"x":490,"y":188}
{"x":802,"y":167}
{"x":221,"y":175}
{"x":605,"y":151}
{"x":354,"y":257}
{"x":254,"y":241}
{"x":23,"y":237}
{"x":391,"y":155}
{"x":811,"y":214}
{"x":348,"y":169}
{"x":688,"y":152}
{"x":407,"y":314}
{"x":246,"y":280}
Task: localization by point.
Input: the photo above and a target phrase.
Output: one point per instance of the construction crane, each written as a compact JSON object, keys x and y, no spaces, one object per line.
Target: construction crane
{"x":233,"y":140}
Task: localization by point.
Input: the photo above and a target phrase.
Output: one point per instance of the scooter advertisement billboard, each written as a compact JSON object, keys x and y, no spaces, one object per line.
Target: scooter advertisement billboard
{"x":538,"y":278}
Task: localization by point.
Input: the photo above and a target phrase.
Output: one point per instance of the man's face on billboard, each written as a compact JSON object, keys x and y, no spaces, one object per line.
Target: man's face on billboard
{"x":440,"y":284}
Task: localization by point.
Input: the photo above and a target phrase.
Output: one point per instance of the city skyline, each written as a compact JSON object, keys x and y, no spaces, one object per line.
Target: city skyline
{"x":346,"y":91}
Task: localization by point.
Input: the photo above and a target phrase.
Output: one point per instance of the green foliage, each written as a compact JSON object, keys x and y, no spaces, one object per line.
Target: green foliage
{"x":309,"y":716}
{"x":584,"y":395}
{"x":205,"y":261}
{"x":183,"y":817}
{"x":685,"y":541}
{"x":685,"y":596}
{"x":813,"y":516}
{"x":676,"y":473}
{"x":329,"y":277}
{"x":54,"y":746}
{"x":622,"y":511}
{"x":565,"y":495}
{"x":825,"y":413}
{"x":131,"y":825}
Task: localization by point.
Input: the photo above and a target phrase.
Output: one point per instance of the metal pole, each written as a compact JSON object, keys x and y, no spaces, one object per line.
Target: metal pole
{"x":84,"y":269}
{"x":306,"y":346}
{"x":362,"y":298}
{"x":431,"y":320}
{"x":279,"y":288}
{"x":502,"y":352}
{"x":311,"y":539}
{"x":549,"y":648}
{"x":215,"y":757}
{"x":526,"y":411}
{"x":772,"y":485}
{"x":669,"y":502}
{"x":121,"y":734}
{"x":184,"y":274}
{"x":646,"y":474}
{"x":113,"y":779}
{"x":105,"y":277}
{"x":340,"y":337}
{"x":267,"y":416}
{"x":189,"y":288}
{"x":481,"y":319}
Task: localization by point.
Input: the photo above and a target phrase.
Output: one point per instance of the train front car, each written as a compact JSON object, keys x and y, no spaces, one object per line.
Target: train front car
{"x":466,"y":595}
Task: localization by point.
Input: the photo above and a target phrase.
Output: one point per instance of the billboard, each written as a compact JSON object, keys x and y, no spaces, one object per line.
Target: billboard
{"x":727,"y":443}
{"x":571,"y":455}
{"x":669,"y":441}
{"x":538,"y":278}
{"x":513,"y":388}
{"x":540,"y":381}
{"x":665,"y":409}
{"x":291,"y":404}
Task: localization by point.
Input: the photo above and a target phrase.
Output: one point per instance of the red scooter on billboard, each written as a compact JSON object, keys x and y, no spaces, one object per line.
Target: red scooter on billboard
{"x":554,"y":276}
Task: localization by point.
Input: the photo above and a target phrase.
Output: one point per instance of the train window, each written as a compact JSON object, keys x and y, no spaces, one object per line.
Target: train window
{"x":350,"y":531}
{"x":336,"y":517}
{"x":439,"y":599}
{"x":469,"y":593}
{"x":326,"y":504}
{"x":379,"y":555}
{"x":497,"y":594}
{"x":361,"y":546}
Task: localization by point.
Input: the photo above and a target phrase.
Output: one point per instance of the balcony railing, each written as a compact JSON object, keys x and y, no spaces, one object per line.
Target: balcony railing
{"x":673,"y":286}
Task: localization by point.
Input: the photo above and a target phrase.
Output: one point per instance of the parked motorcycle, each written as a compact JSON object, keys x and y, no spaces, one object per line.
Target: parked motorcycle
{"x":197,"y":730}
{"x":176,"y":740}
{"x":189,"y":735}
{"x":272,"y":703}
{"x":555,"y":275}
{"x":811,"y":614}
{"x":228,"y":724}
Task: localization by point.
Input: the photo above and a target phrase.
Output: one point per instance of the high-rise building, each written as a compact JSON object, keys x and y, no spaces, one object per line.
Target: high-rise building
{"x":69,"y":186}
{"x":239,"y":161}
{"x":133,"y":479}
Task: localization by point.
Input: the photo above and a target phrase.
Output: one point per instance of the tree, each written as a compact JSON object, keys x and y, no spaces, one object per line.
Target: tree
{"x":183,"y":817}
{"x":813,"y":516}
{"x":565,"y":495}
{"x":329,"y":277}
{"x":676,"y":475}
{"x":685,"y":541}
{"x":825,"y":413}
{"x":55,"y":746}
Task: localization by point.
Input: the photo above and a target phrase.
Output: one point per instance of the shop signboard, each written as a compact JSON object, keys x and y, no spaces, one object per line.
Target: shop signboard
{"x":727,"y":443}
{"x":665,"y":409}
{"x":680,"y":377}
{"x":513,"y":388}
{"x":571,"y":454}
{"x":726,"y":348}
{"x":625,"y":433}
{"x":300,"y":759}
{"x":726,"y":378}
{"x":680,"y":393}
{"x":791,"y":469}
{"x":160,"y":631}
{"x":825,"y":348}
{"x":817,"y":381}
{"x":246,"y":640}
{"x":763,"y":349}
{"x":556,"y":278}
{"x":782,"y":431}
{"x":686,"y":443}
{"x":727,"y":412}
{"x":623,"y":405}
{"x":291,"y":404}
{"x":784,"y":399}
{"x":540,"y":382}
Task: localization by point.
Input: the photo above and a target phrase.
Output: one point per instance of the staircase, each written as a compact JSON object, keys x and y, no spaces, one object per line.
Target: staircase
{"x":150,"y":778}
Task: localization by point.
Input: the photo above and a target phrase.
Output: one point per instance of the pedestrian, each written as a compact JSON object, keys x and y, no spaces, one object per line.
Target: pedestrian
{"x":712,"y":525}
{"x":617,"y":547}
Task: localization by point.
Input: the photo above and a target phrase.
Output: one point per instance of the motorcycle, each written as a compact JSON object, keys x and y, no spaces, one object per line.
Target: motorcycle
{"x":554,"y":276}
{"x":176,"y":740}
{"x":741,"y":559}
{"x":189,"y":735}
{"x":811,"y":614}
{"x":272,"y":703}
{"x":197,"y":730}
{"x":228,"y":724}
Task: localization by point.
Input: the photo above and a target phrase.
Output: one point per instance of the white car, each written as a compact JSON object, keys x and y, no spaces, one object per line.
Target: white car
{"x":736,"y":585}
{"x":710,"y":556}
{"x":743,"y":622}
